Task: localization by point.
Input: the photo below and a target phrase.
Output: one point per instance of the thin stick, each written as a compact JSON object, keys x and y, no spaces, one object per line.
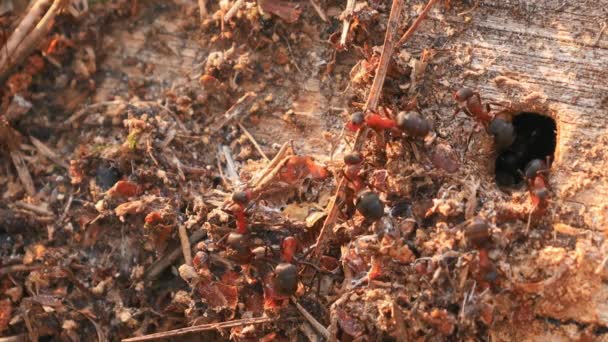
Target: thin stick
{"x":275,"y":160}
{"x":202,"y":9}
{"x":34,"y":208}
{"x":199,"y":328}
{"x":315,"y":324}
{"x":23,"y":172}
{"x":23,"y":29}
{"x":255,"y":143}
{"x":385,"y":57}
{"x":230,"y":166}
{"x":19,"y":268}
{"x":319,"y":10}
{"x":14,"y":338}
{"x":416,"y":23}
{"x":32,"y":39}
{"x":185,"y":242}
{"x":348,"y":12}
{"x":599,"y":35}
{"x":49,"y":153}
{"x":237,"y":110}
{"x":159,"y":266}
{"x":232,"y":11}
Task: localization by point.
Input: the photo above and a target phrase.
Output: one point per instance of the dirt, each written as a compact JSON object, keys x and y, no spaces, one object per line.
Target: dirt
{"x":141,"y":127}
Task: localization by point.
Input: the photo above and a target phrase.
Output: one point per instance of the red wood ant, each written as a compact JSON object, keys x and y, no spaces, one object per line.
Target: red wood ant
{"x":499,"y":126}
{"x":374,"y":121}
{"x":470,"y":103}
{"x":535,"y":174}
{"x":240,"y":200}
{"x":477,"y":233}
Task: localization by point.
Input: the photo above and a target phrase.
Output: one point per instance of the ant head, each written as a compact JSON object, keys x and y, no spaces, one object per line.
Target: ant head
{"x":357,"y":118}
{"x":241,"y":197}
{"x":533,"y":167}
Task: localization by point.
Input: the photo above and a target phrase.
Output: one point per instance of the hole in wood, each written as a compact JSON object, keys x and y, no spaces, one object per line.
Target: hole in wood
{"x":535,"y":139}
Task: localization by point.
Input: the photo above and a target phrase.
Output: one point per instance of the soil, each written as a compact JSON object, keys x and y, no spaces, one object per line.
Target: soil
{"x":163,"y":172}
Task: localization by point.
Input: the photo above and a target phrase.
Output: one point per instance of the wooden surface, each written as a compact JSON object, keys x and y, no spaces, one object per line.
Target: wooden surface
{"x":542,"y":56}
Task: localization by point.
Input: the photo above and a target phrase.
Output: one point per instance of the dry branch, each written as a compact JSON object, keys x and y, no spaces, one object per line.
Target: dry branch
{"x":158,"y":267}
{"x":199,"y":328}
{"x":410,"y":31}
{"x":23,"y":172}
{"x":315,"y":324}
{"x":15,"y":56}
{"x":385,"y":57}
{"x":237,"y":111}
{"x":348,"y":12}
{"x":184,"y":241}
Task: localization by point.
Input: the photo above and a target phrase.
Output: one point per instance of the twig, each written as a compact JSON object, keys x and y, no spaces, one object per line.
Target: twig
{"x":230,"y":166}
{"x":31,"y":41}
{"x":34,"y":208}
{"x":202,"y":9}
{"x":232,"y":11}
{"x":84,"y":111}
{"x":385,"y":57}
{"x":599,"y":35}
{"x":469,"y":10}
{"x":23,"y":29}
{"x":66,"y":209}
{"x":199,"y":328}
{"x":238,"y":109}
{"x":284,"y":150}
{"x":319,"y":10}
{"x":255,"y":143}
{"x":315,"y":324}
{"x":23,"y":172}
{"x":48,"y":152}
{"x":347,"y":14}
{"x":159,"y":266}
{"x":14,"y":338}
{"x":19,"y":268}
{"x":185,"y":242}
{"x":410,"y":31}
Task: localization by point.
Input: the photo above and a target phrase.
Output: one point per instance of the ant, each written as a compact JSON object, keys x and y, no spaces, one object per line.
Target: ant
{"x":500,"y":126}
{"x":373,"y":120}
{"x":469,"y":102}
{"x":535,"y":175}
{"x":477,"y":233}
